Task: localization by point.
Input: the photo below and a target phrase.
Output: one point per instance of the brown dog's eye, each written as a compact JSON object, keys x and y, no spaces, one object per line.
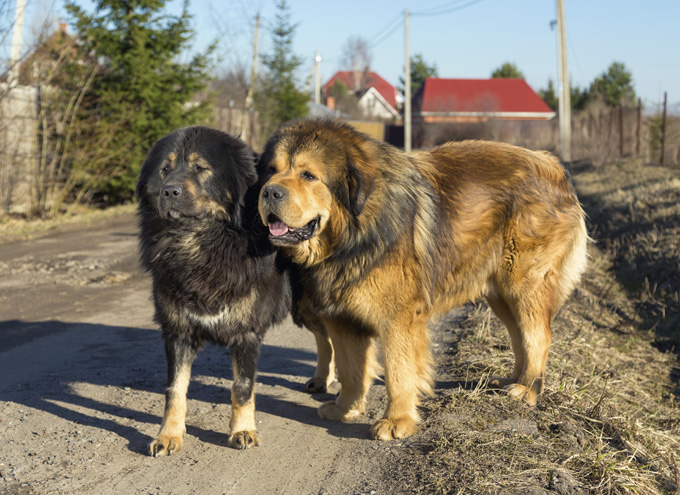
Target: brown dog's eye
{"x":271,"y":170}
{"x":200,"y":169}
{"x":308,"y":176}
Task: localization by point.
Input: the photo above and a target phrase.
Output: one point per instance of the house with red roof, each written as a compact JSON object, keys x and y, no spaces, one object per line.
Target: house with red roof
{"x":477,"y":100}
{"x":376,"y":97}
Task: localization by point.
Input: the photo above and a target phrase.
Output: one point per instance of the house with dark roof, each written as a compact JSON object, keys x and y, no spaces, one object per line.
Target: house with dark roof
{"x":376,"y":97}
{"x":477,"y":100}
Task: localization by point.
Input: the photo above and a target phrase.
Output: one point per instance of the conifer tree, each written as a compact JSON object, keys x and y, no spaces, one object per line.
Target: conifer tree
{"x":276,"y":96}
{"x":141,"y":91}
{"x":507,"y":70}
{"x":615,"y":86}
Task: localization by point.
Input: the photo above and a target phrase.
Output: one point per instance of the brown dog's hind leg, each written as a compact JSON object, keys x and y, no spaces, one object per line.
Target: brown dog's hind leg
{"x":527,"y":311}
{"x":355,"y":355}
{"x":324,"y":375}
{"x":536,"y":339}
{"x":504,"y":313}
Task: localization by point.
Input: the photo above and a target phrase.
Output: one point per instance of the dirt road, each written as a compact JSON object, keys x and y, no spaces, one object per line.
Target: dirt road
{"x":82,"y":377}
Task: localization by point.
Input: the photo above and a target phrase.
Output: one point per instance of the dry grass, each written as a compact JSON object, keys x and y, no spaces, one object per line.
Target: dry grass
{"x":635,"y":216}
{"x":609,"y":420}
{"x":17,"y":228}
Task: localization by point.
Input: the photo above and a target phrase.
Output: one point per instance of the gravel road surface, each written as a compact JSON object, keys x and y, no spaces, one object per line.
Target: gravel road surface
{"x":82,"y":377}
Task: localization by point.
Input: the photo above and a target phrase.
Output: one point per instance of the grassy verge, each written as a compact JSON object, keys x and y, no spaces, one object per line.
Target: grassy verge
{"x":14,"y":229}
{"x":635,"y":215}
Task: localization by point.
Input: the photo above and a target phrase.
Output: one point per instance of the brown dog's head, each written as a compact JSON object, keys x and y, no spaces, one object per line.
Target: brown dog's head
{"x":314,"y":181}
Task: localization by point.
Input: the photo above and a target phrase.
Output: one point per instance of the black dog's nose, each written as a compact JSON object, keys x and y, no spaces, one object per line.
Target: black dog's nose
{"x":172,"y":191}
{"x":274,"y":193}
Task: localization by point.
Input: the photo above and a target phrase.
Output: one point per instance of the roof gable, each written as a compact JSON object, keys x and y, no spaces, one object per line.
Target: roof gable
{"x":374,"y":103}
{"x":498,"y":95}
{"x":366,"y":80}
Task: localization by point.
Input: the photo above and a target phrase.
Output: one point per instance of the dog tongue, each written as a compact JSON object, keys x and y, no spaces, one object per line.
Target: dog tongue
{"x":278,"y":228}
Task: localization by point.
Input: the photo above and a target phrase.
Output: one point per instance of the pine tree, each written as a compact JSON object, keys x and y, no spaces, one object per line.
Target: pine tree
{"x":614,"y":86}
{"x":420,"y":70}
{"x":507,"y":70}
{"x":549,"y":95}
{"x":141,"y":92}
{"x":276,"y":96}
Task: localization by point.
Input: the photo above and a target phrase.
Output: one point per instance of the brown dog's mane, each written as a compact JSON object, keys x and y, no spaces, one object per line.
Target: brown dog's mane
{"x":378,"y":210}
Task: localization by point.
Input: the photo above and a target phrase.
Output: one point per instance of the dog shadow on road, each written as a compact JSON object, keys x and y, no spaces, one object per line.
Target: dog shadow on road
{"x":113,"y":379}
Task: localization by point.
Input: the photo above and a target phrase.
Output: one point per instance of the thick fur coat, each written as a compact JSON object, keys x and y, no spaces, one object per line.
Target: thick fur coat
{"x":386,"y":241}
{"x":216,"y":277}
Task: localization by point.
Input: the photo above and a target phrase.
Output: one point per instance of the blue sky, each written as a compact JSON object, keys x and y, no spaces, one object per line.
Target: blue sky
{"x":469,"y":42}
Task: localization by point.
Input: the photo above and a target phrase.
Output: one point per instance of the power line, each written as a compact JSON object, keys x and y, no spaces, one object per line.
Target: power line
{"x":445,"y":9}
{"x":386,"y":35}
{"x":377,"y":38}
{"x":388,"y":29}
{"x":396,"y":23}
{"x":389,"y":25}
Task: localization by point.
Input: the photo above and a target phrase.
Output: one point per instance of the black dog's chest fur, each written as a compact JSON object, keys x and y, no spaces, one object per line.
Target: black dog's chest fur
{"x":216,"y":281}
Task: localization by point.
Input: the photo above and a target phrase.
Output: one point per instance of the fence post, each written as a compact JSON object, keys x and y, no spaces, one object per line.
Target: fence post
{"x":663,"y":129}
{"x":610,"y":131}
{"x":637,"y":130}
{"x":620,"y":129}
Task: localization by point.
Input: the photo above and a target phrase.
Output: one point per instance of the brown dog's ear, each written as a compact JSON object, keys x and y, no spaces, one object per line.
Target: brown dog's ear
{"x":359,"y":188}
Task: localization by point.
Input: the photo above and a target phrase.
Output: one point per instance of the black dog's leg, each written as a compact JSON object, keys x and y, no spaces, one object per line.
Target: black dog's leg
{"x":180,"y":355}
{"x":244,"y":361}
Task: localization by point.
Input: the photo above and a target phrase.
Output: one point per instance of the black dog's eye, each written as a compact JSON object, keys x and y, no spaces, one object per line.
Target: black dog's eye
{"x":308,"y":176}
{"x":166,"y":168}
{"x":200,"y":169}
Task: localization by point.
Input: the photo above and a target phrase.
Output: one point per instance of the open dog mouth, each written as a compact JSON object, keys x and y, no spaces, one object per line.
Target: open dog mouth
{"x":280,"y":232}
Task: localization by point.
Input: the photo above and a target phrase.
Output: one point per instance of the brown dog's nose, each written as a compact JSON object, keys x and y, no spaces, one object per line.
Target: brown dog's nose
{"x":274,"y":193}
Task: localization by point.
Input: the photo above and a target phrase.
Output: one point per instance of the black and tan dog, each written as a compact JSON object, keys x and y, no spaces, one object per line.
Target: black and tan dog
{"x":215,"y":274}
{"x":388,"y":240}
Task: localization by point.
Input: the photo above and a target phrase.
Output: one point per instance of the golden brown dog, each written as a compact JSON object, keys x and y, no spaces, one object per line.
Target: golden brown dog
{"x":387,"y":241}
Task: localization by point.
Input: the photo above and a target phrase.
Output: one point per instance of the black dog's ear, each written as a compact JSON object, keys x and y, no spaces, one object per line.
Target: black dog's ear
{"x":250,"y":175}
{"x":359,"y":188}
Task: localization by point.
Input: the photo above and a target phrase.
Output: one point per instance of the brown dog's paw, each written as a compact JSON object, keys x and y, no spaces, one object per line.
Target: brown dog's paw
{"x":316,"y":384}
{"x":520,"y":392}
{"x":245,"y":439}
{"x":165,"y":445}
{"x":389,"y":429}
{"x":501,"y":382}
{"x":330,"y":410}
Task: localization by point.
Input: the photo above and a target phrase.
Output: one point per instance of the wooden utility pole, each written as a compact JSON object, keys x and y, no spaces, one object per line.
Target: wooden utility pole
{"x":663,"y":129}
{"x":565,"y":92}
{"x":245,"y":122}
{"x":317,"y":77}
{"x":15,"y":50}
{"x":407,"y":87}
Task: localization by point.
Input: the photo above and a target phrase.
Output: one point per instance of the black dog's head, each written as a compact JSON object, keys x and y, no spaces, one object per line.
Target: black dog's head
{"x":196,"y":174}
